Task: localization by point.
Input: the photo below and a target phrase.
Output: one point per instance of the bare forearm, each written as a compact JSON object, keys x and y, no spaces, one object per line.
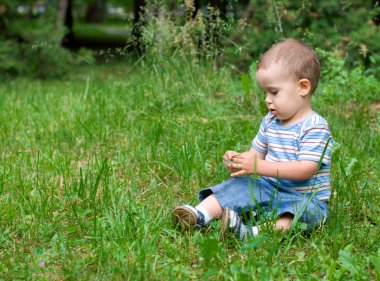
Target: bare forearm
{"x":258,"y":154}
{"x":252,"y":162}
{"x":291,"y":170}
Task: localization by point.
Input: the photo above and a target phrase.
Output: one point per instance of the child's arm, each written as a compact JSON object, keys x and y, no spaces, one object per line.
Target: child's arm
{"x":260,"y":155}
{"x":250,"y":163}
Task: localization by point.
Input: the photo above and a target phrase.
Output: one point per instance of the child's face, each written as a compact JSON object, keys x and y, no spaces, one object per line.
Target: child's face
{"x":284,"y":96}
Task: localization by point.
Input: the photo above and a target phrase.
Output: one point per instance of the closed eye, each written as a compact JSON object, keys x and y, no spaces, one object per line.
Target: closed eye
{"x":270,"y":92}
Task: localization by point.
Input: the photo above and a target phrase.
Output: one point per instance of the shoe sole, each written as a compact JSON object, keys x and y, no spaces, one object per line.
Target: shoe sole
{"x":225,"y":220}
{"x":185,"y":216}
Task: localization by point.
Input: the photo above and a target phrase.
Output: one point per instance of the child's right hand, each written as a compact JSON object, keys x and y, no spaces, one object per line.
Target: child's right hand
{"x":228,"y":158}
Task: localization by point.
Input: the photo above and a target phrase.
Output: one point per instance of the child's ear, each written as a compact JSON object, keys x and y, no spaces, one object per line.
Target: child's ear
{"x":304,"y":87}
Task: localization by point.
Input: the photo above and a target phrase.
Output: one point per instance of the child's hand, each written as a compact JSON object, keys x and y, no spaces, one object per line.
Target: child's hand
{"x":228,"y":159}
{"x":243,"y":164}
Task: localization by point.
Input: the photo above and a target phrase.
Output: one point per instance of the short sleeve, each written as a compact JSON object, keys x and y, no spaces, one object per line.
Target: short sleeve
{"x":316,"y":143}
{"x":260,"y":142}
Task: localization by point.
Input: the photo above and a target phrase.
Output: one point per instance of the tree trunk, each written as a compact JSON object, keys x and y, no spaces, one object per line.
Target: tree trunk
{"x":248,"y":14}
{"x":96,"y":11}
{"x":61,"y":14}
{"x":3,"y":13}
{"x":138,"y":10}
{"x":69,"y":38}
{"x":376,"y":18}
{"x":220,"y":5}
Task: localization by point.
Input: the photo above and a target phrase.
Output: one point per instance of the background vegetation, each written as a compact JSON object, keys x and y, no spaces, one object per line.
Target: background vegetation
{"x":32,"y":31}
{"x":92,"y":164}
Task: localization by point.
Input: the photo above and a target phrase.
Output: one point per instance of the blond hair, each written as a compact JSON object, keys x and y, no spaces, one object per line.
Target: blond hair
{"x":301,"y":61}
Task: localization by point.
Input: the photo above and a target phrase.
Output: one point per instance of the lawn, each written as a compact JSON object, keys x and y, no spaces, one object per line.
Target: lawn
{"x":93,"y":164}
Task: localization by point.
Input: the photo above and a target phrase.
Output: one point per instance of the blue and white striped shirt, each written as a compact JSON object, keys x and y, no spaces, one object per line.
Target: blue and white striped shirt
{"x":309,"y":140}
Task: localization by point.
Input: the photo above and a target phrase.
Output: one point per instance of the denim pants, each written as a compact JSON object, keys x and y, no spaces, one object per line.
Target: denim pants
{"x":244,"y":194}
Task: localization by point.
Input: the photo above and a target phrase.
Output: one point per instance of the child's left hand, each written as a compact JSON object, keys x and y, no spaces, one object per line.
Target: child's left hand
{"x":245,"y":163}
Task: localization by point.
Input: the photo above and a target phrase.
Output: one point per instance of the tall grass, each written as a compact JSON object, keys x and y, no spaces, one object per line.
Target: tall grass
{"x":92,"y":166}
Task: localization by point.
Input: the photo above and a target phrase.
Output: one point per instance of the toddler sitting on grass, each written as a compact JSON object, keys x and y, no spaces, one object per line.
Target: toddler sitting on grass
{"x":291,"y":152}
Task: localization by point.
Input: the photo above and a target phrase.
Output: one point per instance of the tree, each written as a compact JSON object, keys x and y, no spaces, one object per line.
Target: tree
{"x":96,"y":11}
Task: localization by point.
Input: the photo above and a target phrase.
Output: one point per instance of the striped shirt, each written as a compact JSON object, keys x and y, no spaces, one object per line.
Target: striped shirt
{"x":309,"y":140}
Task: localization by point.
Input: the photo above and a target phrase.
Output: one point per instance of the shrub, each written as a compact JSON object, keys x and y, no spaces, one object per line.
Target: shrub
{"x":345,"y":28}
{"x":30,"y":45}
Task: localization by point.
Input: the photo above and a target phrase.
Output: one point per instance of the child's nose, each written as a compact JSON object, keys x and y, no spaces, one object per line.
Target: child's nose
{"x":267,"y":99}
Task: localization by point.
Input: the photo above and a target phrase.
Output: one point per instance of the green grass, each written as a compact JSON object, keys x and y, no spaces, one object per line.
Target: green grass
{"x":92,"y":166}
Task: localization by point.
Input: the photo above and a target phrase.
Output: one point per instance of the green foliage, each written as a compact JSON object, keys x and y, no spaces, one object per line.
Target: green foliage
{"x":30,"y":44}
{"x":342,"y":27}
{"x":10,"y":56}
{"x":194,"y":38}
{"x":41,"y":59}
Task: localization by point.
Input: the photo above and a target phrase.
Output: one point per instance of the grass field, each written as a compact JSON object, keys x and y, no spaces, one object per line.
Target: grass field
{"x":93,"y":164}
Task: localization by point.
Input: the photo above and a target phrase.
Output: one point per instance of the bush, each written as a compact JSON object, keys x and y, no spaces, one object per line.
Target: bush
{"x":193,"y":37}
{"x":39,"y":60}
{"x":345,"y":28}
{"x":30,"y":45}
{"x":10,"y":57}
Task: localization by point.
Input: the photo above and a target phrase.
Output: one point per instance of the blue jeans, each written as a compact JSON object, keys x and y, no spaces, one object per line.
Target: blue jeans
{"x":244,"y":194}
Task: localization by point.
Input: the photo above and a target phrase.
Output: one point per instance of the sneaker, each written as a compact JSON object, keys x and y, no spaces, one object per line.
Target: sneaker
{"x":232,"y":223}
{"x":188,"y":216}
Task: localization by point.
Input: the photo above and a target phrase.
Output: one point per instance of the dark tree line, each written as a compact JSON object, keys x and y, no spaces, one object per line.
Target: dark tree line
{"x":95,"y":12}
